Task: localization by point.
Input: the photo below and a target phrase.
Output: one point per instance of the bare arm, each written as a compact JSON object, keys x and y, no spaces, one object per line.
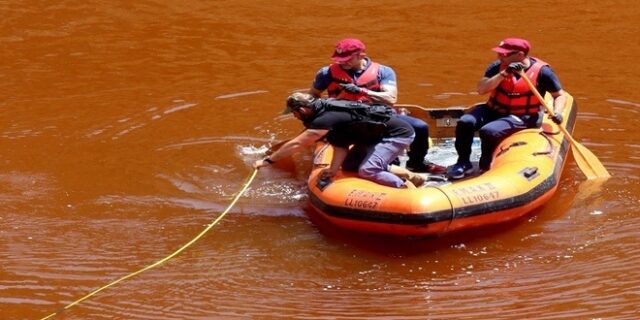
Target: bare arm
{"x":559,"y":99}
{"x":486,"y":85}
{"x":339,"y":154}
{"x":388,"y":94}
{"x":304,"y":139}
{"x":315,"y":92}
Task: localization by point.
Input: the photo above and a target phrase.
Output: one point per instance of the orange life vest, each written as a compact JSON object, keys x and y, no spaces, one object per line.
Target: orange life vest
{"x":368,"y":79}
{"x":513,"y":96}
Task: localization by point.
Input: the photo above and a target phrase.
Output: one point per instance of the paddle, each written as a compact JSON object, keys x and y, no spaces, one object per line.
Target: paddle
{"x":586,"y":160}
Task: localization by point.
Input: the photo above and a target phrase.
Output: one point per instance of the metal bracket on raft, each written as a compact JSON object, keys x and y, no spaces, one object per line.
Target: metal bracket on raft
{"x":446,"y":118}
{"x":530,"y":173}
{"x":323,"y":183}
{"x":442,"y":121}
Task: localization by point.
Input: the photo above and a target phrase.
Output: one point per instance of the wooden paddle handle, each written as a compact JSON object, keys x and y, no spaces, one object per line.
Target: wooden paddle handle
{"x":536,"y":93}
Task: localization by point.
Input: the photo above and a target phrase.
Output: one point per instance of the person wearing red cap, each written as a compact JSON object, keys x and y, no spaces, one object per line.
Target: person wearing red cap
{"x":511,"y":107}
{"x":354,"y":76}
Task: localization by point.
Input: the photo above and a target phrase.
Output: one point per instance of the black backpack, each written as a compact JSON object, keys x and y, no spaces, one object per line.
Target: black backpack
{"x":360,"y":111}
{"x":368,"y":125}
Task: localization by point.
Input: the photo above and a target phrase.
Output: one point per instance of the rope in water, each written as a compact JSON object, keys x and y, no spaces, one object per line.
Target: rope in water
{"x":167,"y":258}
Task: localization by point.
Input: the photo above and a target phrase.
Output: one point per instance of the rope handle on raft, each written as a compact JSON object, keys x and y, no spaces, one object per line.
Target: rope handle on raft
{"x":167,"y":258}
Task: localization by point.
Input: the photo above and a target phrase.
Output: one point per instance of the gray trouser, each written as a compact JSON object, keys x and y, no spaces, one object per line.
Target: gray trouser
{"x":372,"y":161}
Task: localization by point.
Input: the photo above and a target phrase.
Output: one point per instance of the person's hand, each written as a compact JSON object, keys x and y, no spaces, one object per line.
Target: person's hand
{"x":351,"y":87}
{"x":515,"y":67}
{"x":261,"y":163}
{"x":556,"y":118}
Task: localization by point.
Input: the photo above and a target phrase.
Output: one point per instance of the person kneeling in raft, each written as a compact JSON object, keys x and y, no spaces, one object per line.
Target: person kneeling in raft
{"x":377,"y":135}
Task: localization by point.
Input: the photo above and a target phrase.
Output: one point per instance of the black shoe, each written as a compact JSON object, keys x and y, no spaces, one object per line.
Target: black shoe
{"x":427,"y":168}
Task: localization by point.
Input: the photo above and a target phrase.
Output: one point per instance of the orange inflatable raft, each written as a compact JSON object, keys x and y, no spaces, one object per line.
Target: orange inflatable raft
{"x":525,"y":172}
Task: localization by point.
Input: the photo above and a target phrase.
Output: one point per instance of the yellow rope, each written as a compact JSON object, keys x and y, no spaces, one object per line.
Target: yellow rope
{"x":159,"y":262}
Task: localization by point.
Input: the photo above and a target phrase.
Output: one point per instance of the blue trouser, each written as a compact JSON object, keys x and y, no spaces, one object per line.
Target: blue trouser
{"x":420,"y":145}
{"x":492,"y":127}
{"x":372,"y":161}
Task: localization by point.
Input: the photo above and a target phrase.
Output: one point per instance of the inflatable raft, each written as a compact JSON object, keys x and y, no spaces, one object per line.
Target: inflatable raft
{"x":524,"y":175}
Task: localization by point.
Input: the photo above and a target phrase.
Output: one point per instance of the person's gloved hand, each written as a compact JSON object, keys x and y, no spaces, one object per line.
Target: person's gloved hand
{"x":556,"y":118}
{"x":351,"y":87}
{"x":515,"y":67}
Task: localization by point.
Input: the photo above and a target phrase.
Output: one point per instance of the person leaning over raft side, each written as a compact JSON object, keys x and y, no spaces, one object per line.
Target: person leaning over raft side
{"x":511,"y":107}
{"x":353,"y":76}
{"x":375,"y":144}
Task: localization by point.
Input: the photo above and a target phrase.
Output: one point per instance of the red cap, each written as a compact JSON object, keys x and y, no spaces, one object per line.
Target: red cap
{"x":346,"y":48}
{"x":513,"y":44}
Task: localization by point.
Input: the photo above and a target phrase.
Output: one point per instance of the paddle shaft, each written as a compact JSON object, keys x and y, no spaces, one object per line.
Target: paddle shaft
{"x":543,"y":102}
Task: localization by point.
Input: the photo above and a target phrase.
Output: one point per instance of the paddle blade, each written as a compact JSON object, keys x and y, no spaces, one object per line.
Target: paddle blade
{"x":589,"y":163}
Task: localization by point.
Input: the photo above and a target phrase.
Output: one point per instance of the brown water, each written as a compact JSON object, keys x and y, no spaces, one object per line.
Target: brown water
{"x":126,"y":127}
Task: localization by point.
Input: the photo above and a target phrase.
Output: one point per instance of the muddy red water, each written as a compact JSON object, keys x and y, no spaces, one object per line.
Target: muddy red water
{"x":126,"y":127}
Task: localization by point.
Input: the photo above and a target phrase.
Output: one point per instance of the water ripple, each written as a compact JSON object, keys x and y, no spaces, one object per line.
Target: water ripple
{"x":240,"y":94}
{"x":623,"y":102}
